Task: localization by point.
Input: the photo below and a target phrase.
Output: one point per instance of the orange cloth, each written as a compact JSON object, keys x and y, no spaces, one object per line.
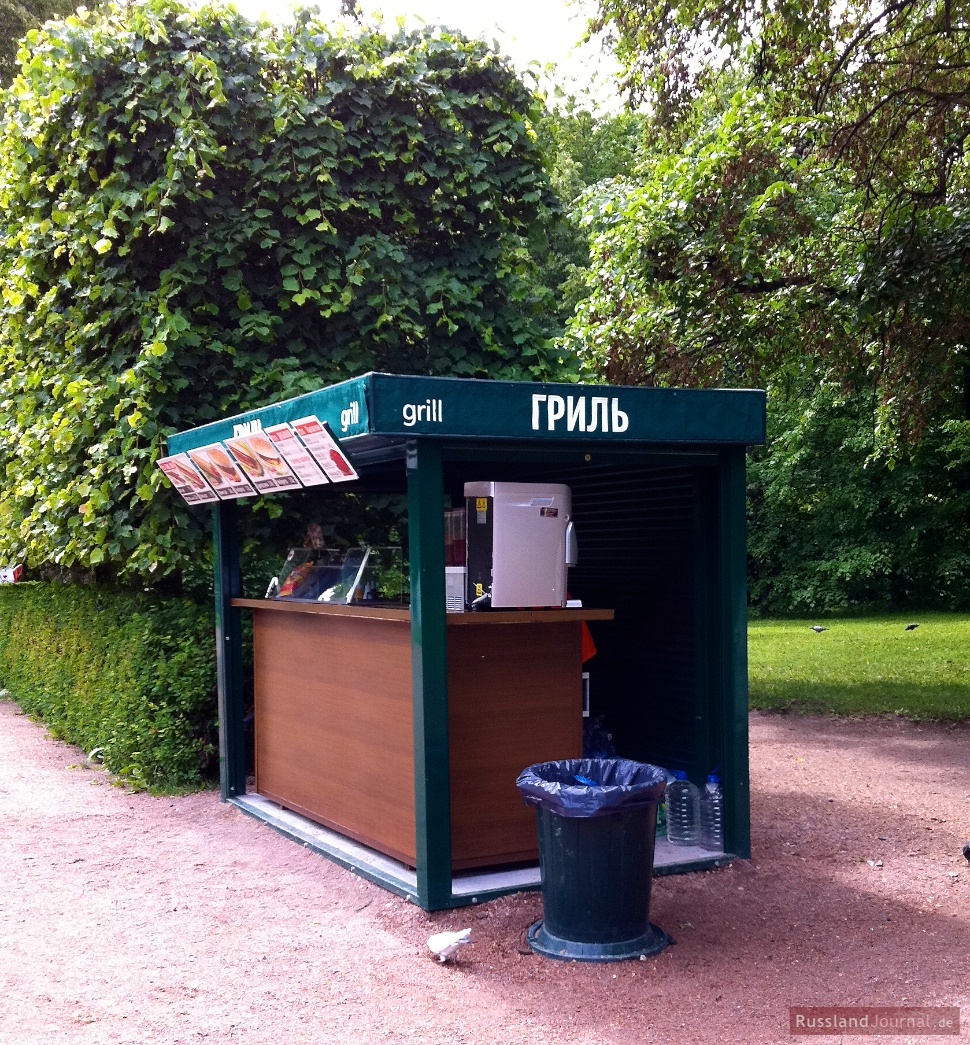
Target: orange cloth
{"x":588,"y":646}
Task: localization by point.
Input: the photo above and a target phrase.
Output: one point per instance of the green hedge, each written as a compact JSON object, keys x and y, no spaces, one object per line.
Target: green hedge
{"x":131,"y":674}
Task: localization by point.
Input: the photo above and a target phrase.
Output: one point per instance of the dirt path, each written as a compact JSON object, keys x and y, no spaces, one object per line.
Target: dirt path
{"x":126,"y":918}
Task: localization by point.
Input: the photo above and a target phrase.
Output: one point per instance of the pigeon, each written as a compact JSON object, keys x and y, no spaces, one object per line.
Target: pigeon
{"x":911,"y":627}
{"x":818,"y":629}
{"x":966,"y":852}
{"x":445,"y":944}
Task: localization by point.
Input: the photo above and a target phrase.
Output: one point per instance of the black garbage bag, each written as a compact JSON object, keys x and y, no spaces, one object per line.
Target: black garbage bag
{"x":583,"y":787}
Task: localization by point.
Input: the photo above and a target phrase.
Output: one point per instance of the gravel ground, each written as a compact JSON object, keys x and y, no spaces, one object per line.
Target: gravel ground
{"x":127,"y":918}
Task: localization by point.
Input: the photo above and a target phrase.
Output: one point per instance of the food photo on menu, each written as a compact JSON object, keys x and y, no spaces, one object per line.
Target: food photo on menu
{"x":336,"y":456}
{"x":323,"y":445}
{"x":186,"y":479}
{"x":247,"y":458}
{"x":222,"y":472}
{"x":296,"y":455}
{"x":184,"y":476}
{"x":262,"y":463}
{"x":268,"y":455}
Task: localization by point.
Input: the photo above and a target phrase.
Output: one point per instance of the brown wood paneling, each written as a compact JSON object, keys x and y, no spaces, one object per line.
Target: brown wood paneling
{"x":334,"y":723}
{"x":334,"y":737}
{"x":515,"y":698}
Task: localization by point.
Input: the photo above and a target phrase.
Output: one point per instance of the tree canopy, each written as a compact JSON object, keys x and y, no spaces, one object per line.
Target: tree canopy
{"x":805,"y":193}
{"x":797,"y":218}
{"x":834,"y":527}
{"x":201,"y":214}
{"x":891,"y":80}
{"x":581,"y":150}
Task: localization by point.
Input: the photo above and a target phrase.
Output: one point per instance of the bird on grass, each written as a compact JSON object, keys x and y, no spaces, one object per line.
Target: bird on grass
{"x":818,"y":629}
{"x":911,"y":627}
{"x":446,"y":944}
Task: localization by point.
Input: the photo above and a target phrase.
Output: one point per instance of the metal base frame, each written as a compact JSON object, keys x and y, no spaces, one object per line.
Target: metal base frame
{"x":470,"y":888}
{"x":467,"y":889}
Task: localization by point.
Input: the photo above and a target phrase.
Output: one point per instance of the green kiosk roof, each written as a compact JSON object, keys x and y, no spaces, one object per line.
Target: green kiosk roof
{"x":379,"y":409}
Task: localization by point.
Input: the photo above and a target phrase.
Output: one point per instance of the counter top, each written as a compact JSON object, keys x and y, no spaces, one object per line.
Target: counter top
{"x":327,"y":609}
{"x":488,"y":617}
{"x":528,"y":616}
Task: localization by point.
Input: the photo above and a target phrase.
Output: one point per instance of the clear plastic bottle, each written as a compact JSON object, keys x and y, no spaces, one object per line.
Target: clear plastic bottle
{"x":683,"y":811}
{"x":712,"y":815}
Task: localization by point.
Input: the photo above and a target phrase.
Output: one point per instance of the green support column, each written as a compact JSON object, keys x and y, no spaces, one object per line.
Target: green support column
{"x":432,"y":777}
{"x":228,"y":585}
{"x":734,"y":651}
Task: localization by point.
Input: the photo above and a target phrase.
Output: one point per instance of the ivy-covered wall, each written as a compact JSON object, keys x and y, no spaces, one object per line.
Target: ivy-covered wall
{"x":132,"y":674}
{"x":200,"y":215}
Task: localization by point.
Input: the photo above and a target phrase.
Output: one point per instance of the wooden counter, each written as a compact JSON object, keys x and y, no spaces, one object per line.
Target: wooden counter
{"x":334,"y":726}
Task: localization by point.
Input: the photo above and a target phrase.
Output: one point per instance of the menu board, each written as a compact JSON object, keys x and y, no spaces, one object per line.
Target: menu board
{"x":320,"y":441}
{"x":221,"y":471}
{"x":187,"y":479}
{"x":296,"y":455}
{"x":262,"y":462}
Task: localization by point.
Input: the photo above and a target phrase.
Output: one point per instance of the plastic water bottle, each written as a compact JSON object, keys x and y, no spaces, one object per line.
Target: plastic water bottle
{"x":712,"y":815}
{"x":683,"y":811}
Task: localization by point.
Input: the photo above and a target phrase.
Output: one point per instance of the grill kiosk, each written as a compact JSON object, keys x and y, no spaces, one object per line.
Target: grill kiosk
{"x":389,"y":739}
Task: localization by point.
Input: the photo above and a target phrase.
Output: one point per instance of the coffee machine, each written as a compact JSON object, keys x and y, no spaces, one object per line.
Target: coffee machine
{"x":520,"y":541}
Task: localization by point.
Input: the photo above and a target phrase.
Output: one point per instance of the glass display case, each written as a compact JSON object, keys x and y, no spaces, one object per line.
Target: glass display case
{"x":362,"y":575}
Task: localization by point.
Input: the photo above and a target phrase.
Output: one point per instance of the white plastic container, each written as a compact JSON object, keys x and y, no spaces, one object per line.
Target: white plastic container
{"x":712,"y":815}
{"x":455,"y":589}
{"x":683,"y":811}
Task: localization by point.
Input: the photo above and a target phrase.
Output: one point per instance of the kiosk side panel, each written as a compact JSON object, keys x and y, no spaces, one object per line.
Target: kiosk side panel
{"x":334,"y":724}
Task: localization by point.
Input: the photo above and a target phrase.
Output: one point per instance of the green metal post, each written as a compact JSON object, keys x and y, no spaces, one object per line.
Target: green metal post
{"x":734,"y":652}
{"x":432,"y":776}
{"x":228,"y":585}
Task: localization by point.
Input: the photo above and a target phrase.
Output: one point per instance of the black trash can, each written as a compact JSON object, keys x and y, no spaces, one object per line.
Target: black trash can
{"x":597,"y":824}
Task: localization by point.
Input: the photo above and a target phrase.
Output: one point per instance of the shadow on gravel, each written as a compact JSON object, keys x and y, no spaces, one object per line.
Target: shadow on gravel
{"x":811,"y":920}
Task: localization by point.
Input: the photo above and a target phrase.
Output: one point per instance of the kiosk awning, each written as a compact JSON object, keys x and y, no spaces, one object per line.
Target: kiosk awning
{"x":316,"y":437}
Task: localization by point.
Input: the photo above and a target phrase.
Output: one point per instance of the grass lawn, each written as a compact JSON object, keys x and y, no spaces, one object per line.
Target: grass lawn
{"x":863,"y":666}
